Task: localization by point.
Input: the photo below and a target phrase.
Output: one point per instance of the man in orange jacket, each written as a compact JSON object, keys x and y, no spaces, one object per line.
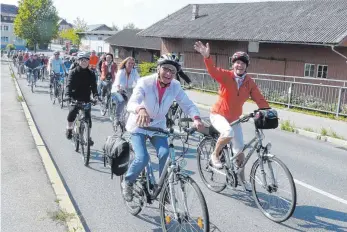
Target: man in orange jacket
{"x":235,"y":88}
{"x":93,"y":60}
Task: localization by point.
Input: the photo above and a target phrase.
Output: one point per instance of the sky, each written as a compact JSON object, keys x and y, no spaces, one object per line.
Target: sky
{"x":143,"y":13}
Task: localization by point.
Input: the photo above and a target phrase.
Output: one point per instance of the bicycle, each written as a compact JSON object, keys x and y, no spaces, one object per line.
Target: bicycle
{"x":106,"y":102}
{"x":174,"y":116}
{"x":231,"y":173}
{"x":81,"y":129}
{"x":32,"y":75}
{"x":58,"y":88}
{"x":147,"y":191}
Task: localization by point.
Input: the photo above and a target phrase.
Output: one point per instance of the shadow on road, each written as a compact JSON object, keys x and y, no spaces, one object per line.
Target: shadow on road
{"x":318,"y":218}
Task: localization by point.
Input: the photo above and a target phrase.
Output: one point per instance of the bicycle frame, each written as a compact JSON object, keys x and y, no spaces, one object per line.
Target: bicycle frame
{"x":256,"y":144}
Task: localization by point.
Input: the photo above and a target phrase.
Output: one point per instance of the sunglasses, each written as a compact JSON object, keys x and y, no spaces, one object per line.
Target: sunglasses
{"x":172,"y":71}
{"x":84,"y":60}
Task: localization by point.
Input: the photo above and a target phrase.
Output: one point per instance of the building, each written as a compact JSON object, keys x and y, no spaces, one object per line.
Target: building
{"x":126,"y":43}
{"x":63,"y":25}
{"x":8,"y":14}
{"x":292,"y":38}
{"x":93,"y":38}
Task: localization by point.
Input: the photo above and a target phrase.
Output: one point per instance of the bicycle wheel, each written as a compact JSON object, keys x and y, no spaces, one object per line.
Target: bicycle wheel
{"x":273,"y":188}
{"x":58,"y":94}
{"x":215,"y":181}
{"x":76,"y":135}
{"x":185,"y":193}
{"x":85,"y":142}
{"x":54,"y":94}
{"x":62,"y":97}
{"x":32,"y":83}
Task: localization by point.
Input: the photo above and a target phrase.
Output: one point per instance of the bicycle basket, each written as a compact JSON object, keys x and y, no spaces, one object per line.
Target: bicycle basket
{"x":266,"y":119}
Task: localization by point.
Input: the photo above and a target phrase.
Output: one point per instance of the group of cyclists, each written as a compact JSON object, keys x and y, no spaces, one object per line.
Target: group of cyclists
{"x":148,"y":100}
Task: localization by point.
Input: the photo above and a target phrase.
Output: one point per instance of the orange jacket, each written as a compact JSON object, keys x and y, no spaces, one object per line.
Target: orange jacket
{"x":231,"y":99}
{"x":93,"y":61}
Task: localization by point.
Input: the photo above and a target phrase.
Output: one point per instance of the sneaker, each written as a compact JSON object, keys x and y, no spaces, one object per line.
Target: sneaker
{"x":216,"y":162}
{"x":127,"y":191}
{"x":69,"y":133}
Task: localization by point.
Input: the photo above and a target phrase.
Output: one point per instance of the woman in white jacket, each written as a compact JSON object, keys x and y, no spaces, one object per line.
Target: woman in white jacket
{"x":151,"y":99}
{"x":126,"y":79}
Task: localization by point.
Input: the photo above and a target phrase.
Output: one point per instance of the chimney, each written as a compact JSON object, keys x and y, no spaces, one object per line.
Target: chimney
{"x":195,"y":11}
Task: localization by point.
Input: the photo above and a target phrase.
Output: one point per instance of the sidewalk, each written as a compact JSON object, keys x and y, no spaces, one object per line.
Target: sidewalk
{"x":27,"y":196}
{"x":300,"y":120}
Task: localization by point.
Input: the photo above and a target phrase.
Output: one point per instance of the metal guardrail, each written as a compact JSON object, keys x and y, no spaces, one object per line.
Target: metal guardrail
{"x":317,"y":97}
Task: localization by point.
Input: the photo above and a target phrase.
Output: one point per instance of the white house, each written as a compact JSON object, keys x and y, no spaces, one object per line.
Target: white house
{"x":8,"y":14}
{"x":93,"y":38}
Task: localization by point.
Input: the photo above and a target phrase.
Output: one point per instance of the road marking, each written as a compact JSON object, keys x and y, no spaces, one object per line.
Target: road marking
{"x":343,"y":201}
{"x":65,"y":203}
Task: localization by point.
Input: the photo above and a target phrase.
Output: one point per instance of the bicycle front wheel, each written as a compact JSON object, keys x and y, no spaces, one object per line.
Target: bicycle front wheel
{"x":185,"y":207}
{"x":85,"y":141}
{"x":278,"y":188}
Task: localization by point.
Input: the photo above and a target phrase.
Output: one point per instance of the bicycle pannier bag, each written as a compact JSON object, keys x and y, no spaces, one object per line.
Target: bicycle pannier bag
{"x":118,"y":151}
{"x":266,"y":119}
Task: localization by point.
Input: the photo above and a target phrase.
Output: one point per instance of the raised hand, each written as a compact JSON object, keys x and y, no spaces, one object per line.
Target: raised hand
{"x":202,"y":49}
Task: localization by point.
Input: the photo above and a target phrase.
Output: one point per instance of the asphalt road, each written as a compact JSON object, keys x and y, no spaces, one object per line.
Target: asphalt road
{"x":319,"y":165}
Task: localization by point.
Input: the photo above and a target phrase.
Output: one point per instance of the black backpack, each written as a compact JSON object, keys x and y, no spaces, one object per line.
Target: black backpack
{"x":117,"y":149}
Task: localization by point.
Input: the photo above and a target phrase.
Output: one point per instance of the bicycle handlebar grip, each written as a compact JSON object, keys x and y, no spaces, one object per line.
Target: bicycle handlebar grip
{"x":186,"y":120}
{"x":190,"y":130}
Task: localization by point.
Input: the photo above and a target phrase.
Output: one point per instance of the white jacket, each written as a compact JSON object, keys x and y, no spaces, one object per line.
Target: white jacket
{"x":122,"y":80}
{"x":146,"y":95}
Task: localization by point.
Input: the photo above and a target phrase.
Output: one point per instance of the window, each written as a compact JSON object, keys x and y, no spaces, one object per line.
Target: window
{"x":230,"y":63}
{"x":309,"y":70}
{"x":4,"y":39}
{"x":99,"y":49}
{"x":116,"y":53}
{"x":99,"y":38}
{"x":322,"y":71}
{"x":5,"y":18}
{"x":5,"y":28}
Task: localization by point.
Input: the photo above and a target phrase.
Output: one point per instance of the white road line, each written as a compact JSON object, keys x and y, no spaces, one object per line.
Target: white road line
{"x":321,"y":192}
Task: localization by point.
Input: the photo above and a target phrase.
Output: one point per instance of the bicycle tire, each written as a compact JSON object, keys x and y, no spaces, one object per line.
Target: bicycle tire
{"x":62,"y":97}
{"x":200,"y":198}
{"x":76,"y":137}
{"x":86,"y":155}
{"x":292,"y":185}
{"x":203,"y":142}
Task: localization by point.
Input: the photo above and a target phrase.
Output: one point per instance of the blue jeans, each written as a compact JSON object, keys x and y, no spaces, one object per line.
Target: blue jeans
{"x":138,"y":142}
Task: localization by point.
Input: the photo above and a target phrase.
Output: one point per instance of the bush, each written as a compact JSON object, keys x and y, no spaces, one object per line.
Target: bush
{"x":10,"y":47}
{"x":146,"y":68}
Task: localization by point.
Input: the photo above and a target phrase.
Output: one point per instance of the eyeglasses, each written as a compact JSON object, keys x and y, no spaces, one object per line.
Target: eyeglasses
{"x":84,"y":60}
{"x":172,"y":71}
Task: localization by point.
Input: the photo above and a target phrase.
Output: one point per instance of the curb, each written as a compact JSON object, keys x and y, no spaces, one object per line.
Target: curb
{"x":65,"y":203}
{"x":338,"y":142}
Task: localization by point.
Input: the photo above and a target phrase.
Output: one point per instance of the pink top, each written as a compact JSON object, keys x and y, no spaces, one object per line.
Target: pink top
{"x":161,"y":91}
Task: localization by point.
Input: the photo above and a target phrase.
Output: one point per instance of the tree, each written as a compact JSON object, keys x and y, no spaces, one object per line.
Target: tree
{"x":129,"y":26}
{"x":71,"y":35}
{"x":10,"y":47}
{"x":80,"y":24}
{"x":114,"y":27}
{"x":36,"y":21}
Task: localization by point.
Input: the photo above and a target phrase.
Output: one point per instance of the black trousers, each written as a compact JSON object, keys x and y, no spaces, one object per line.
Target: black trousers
{"x":73,"y":111}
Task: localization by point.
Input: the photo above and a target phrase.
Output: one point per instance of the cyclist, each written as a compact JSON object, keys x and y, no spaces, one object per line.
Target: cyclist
{"x":126,"y":79}
{"x":93,"y":62}
{"x":151,"y":99}
{"x":108,"y":72}
{"x":20,"y":58}
{"x":55,"y":64}
{"x":235,"y":88}
{"x":32,"y":63}
{"x":80,"y":85}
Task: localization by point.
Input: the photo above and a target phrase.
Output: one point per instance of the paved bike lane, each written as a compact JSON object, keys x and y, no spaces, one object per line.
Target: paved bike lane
{"x":27,"y":198}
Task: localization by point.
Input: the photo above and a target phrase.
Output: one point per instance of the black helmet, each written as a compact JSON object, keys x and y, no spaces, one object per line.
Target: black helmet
{"x":169,"y":59}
